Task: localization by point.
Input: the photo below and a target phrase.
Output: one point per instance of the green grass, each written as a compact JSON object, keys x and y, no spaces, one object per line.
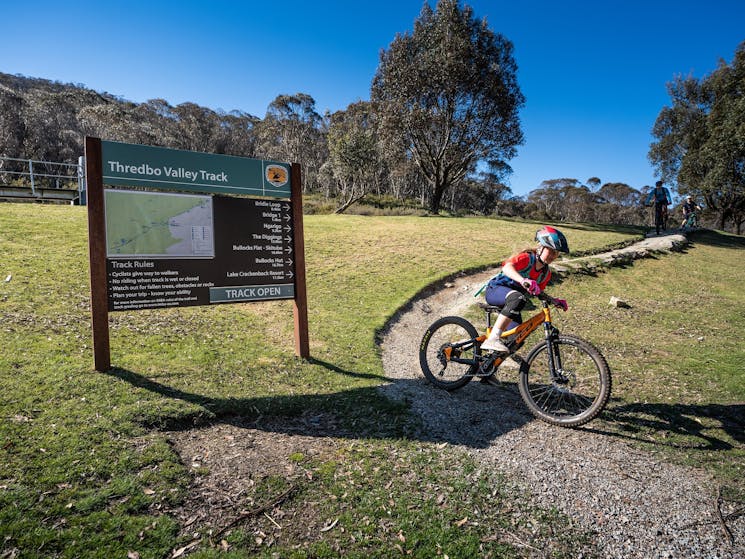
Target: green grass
{"x":676,"y":354}
{"x":85,"y":470}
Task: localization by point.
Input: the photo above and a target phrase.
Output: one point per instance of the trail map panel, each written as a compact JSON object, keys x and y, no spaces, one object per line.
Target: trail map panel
{"x":158,"y":225}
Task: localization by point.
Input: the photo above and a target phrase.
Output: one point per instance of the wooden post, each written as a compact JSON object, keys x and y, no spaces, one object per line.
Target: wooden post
{"x":302,"y":348}
{"x":97,"y":251}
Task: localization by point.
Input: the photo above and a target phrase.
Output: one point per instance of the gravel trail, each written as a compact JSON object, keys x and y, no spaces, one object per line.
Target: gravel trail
{"x":639,"y":506}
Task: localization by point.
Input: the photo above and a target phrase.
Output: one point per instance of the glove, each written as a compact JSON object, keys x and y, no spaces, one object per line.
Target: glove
{"x":561,"y":304}
{"x":532,"y":286}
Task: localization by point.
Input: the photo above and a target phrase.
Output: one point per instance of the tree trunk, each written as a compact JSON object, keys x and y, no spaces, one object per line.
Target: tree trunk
{"x":722,"y":219}
{"x":438,"y":188}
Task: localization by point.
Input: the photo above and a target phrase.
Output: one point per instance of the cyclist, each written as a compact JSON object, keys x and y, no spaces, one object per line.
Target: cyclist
{"x":660,"y":196}
{"x":689,"y":211}
{"x":524,"y":273}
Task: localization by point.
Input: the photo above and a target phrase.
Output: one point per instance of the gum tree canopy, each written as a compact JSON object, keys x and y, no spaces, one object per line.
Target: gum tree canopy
{"x":448,"y":91}
{"x":700,"y":139}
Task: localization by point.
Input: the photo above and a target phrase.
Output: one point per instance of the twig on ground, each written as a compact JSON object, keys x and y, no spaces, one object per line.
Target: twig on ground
{"x":254,"y":512}
{"x":509,"y":535}
{"x":726,"y":529}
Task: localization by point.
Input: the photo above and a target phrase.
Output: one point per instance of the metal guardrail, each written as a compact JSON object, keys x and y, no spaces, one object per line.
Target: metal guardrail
{"x":42,"y":180}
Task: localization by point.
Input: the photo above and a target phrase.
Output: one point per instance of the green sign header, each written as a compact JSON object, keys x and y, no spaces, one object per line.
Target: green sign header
{"x":172,"y":169}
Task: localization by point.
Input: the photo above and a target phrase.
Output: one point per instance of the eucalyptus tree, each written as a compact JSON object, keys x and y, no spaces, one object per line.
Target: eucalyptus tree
{"x":119,"y":122}
{"x":353,"y":153}
{"x":620,"y":193}
{"x":156,"y":118}
{"x":593,"y":182}
{"x":700,"y":139}
{"x":549,"y":197}
{"x":449,"y":90}
{"x":238,"y":133}
{"x":293,"y":131}
{"x":620,"y":203}
{"x":197,"y":128}
{"x":52,"y":129}
{"x":12,"y":129}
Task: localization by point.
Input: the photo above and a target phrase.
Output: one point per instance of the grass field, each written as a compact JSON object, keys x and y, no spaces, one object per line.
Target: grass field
{"x":86,"y":469}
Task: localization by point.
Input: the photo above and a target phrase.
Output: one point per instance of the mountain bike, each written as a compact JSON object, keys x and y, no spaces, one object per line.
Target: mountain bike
{"x":564,"y":380}
{"x":691,"y":221}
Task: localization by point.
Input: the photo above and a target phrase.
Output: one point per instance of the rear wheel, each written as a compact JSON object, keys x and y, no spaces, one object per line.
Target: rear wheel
{"x":448,"y":351}
{"x":579,"y":389}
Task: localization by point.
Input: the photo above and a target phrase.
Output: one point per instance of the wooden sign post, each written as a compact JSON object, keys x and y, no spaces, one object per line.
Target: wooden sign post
{"x":175,"y":240}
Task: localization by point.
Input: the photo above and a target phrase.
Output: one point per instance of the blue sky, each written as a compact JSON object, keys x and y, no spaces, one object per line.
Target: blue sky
{"x":594,"y":74}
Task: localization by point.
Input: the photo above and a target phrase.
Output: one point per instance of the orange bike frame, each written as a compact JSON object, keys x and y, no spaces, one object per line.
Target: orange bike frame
{"x":522,"y":331}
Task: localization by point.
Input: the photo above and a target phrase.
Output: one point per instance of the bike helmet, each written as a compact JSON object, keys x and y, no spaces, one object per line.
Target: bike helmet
{"x":552,"y":238}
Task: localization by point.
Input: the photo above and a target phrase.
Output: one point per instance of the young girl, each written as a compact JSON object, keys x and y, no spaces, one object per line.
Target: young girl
{"x":525,"y":273}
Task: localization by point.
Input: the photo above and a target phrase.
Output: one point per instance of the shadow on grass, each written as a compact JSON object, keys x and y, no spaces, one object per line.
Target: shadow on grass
{"x":716,"y":238}
{"x":681,"y":426}
{"x":473,"y":416}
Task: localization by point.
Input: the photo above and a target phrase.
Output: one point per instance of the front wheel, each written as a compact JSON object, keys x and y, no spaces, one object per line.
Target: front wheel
{"x":576,"y":392}
{"x":447,"y":353}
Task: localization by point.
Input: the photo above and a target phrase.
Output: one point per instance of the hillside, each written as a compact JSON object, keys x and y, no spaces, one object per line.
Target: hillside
{"x":312,"y":458}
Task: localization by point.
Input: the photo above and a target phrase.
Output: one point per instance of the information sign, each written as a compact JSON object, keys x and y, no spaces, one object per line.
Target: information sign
{"x":191,"y":245}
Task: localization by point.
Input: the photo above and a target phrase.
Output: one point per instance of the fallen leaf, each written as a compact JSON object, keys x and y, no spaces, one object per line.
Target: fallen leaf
{"x":179,"y":552}
{"x":461,"y":522}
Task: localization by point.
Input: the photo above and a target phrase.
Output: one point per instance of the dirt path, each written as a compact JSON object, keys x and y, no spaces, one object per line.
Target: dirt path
{"x":640,"y":507}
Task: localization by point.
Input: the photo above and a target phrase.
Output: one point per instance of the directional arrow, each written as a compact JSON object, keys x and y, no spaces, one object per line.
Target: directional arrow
{"x":288,"y":239}
{"x":287,"y":217}
{"x":288,"y":250}
{"x":287,"y":207}
{"x":288,"y":228}
{"x":288,"y":261}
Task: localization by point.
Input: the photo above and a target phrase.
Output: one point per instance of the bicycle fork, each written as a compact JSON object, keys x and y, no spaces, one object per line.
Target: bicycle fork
{"x":554,"y":355}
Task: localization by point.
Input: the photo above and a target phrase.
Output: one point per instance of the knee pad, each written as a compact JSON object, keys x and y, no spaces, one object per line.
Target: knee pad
{"x":513,"y":304}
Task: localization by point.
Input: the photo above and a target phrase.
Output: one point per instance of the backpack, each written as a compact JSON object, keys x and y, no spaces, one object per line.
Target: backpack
{"x":501,"y":279}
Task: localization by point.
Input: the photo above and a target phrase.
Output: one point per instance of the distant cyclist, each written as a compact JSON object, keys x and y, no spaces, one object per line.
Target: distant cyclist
{"x":689,"y":212}
{"x":660,"y":197}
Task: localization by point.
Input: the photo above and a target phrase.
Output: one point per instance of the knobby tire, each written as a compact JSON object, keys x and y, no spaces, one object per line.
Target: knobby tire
{"x":579,"y":395}
{"x":440,"y":336}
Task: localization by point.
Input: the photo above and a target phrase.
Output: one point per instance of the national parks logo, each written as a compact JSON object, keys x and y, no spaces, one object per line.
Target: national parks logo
{"x":276,"y":175}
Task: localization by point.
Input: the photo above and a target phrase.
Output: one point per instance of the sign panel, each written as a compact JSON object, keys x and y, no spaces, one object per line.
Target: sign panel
{"x":167,"y":250}
{"x":162,"y":249}
{"x":172,"y":169}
